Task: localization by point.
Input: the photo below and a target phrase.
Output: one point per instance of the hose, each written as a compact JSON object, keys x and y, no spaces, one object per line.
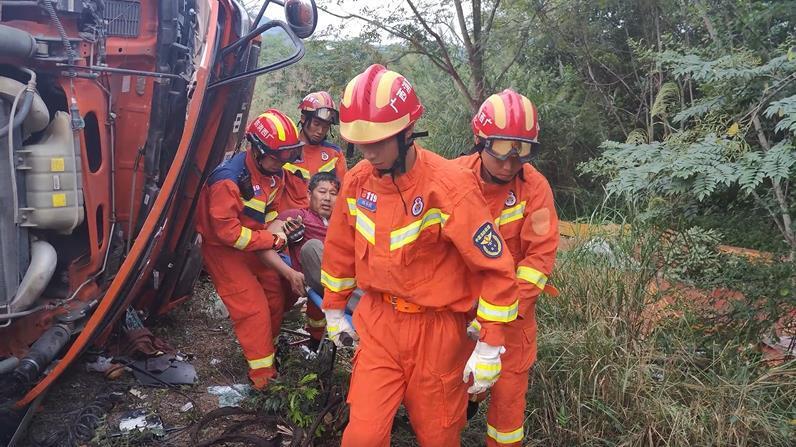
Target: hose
{"x":75,"y":113}
{"x":16,"y":43}
{"x":12,"y":165}
{"x":13,"y":315}
{"x":22,"y":113}
{"x":31,"y":89}
{"x":82,"y":423}
{"x":48,"y":5}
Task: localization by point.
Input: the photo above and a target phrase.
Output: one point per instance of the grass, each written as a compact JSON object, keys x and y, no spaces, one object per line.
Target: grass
{"x":603,"y":379}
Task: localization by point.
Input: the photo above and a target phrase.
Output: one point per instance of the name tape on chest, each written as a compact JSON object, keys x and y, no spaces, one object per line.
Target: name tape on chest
{"x":367,"y":200}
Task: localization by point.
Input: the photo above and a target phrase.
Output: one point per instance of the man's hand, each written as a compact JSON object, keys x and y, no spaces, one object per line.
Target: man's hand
{"x":296,"y":280}
{"x":339,"y":329}
{"x":294,"y":229}
{"x":484,"y":365}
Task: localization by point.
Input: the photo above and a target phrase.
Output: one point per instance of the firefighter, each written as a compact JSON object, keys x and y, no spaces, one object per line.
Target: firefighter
{"x":318,"y":114}
{"x":506,"y":129}
{"x":236,"y":205}
{"x":413,"y":231}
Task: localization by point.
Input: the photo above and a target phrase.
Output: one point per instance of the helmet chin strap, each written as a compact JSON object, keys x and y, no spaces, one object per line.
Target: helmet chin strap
{"x":399,"y":165}
{"x":479,"y":147}
{"x":491,"y":178}
{"x":257,"y":158}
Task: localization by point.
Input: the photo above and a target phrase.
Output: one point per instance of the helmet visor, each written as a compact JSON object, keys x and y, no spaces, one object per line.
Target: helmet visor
{"x":328,"y":114}
{"x":503,"y":149}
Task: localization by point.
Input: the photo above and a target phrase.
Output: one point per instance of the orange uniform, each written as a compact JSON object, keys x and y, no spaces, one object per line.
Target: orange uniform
{"x":232,"y":229}
{"x":324,"y":157}
{"x":424,"y":249}
{"x":527,"y":220}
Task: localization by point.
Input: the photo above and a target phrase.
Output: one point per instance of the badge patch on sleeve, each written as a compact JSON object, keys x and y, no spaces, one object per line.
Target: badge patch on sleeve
{"x":488,"y":241}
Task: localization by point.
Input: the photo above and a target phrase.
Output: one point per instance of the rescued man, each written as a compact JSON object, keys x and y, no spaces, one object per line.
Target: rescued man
{"x":306,"y":229}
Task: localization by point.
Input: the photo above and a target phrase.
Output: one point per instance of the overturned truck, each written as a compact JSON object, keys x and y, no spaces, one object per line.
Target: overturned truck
{"x":112,"y":115}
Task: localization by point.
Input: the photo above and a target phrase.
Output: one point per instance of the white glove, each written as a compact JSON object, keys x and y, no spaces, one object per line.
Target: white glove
{"x":336,"y":325}
{"x":474,"y":330}
{"x":484,"y":365}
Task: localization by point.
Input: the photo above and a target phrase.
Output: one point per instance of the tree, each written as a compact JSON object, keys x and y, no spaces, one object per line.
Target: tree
{"x":738,"y":134}
{"x":460,"y":38}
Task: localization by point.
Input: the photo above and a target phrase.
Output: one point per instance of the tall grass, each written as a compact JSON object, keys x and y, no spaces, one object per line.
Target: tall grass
{"x":607,"y":377}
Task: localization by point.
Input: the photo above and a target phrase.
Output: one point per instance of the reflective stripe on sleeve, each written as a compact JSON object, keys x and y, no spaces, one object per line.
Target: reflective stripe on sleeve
{"x":244,"y":238}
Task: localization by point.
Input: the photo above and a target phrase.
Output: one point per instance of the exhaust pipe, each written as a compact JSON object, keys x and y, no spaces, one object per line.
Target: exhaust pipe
{"x":42,"y":266}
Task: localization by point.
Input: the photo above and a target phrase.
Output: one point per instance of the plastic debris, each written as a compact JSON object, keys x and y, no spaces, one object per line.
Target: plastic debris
{"x":215,"y":361}
{"x":142,"y":421}
{"x":186,"y":407}
{"x":102,"y":364}
{"x":308,"y":353}
{"x":230,"y":396}
{"x":137,"y":393}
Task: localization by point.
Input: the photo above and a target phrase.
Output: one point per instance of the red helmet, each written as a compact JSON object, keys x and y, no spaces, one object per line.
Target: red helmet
{"x":320,"y":105}
{"x":507,"y":115}
{"x":508,"y":123}
{"x":377,"y":104}
{"x":274,"y":133}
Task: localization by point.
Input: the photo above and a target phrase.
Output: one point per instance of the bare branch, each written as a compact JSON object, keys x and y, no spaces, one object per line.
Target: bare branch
{"x":417,"y":44}
{"x":441,"y":43}
{"x":468,"y":44}
{"x":491,"y":19}
{"x":520,"y":47}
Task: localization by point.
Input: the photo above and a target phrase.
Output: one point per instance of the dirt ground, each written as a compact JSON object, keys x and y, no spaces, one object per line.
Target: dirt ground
{"x":199,"y":330}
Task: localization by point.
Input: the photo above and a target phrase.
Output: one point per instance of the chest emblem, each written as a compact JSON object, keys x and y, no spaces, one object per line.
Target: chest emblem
{"x":417,"y":206}
{"x":324,"y":156}
{"x":487,"y":240}
{"x":367,"y":200}
{"x":511,"y":200}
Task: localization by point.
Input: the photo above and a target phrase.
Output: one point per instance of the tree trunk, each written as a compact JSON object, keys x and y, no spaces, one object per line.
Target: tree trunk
{"x":782,"y":200}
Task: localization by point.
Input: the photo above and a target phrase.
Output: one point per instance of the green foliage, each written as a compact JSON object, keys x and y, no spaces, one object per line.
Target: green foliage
{"x":700,"y":109}
{"x":668,"y":97}
{"x":785,"y":109}
{"x":693,"y":253}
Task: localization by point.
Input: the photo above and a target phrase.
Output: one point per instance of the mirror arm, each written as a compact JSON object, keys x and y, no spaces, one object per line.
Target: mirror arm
{"x":295,"y":57}
{"x":251,"y":35}
{"x":261,"y":13}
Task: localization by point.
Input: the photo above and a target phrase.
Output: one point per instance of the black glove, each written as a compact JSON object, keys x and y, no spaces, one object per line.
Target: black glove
{"x":294,"y":230}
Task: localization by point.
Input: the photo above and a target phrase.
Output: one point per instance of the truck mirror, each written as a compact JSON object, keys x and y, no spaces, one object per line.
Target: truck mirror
{"x":302,"y":16}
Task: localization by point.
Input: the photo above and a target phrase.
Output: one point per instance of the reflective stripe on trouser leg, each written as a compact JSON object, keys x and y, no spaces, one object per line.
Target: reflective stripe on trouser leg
{"x":506,"y":412}
{"x":507,"y":401}
{"x":243,"y":295}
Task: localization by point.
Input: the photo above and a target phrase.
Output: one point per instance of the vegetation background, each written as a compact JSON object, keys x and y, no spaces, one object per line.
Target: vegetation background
{"x":676,"y":117}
